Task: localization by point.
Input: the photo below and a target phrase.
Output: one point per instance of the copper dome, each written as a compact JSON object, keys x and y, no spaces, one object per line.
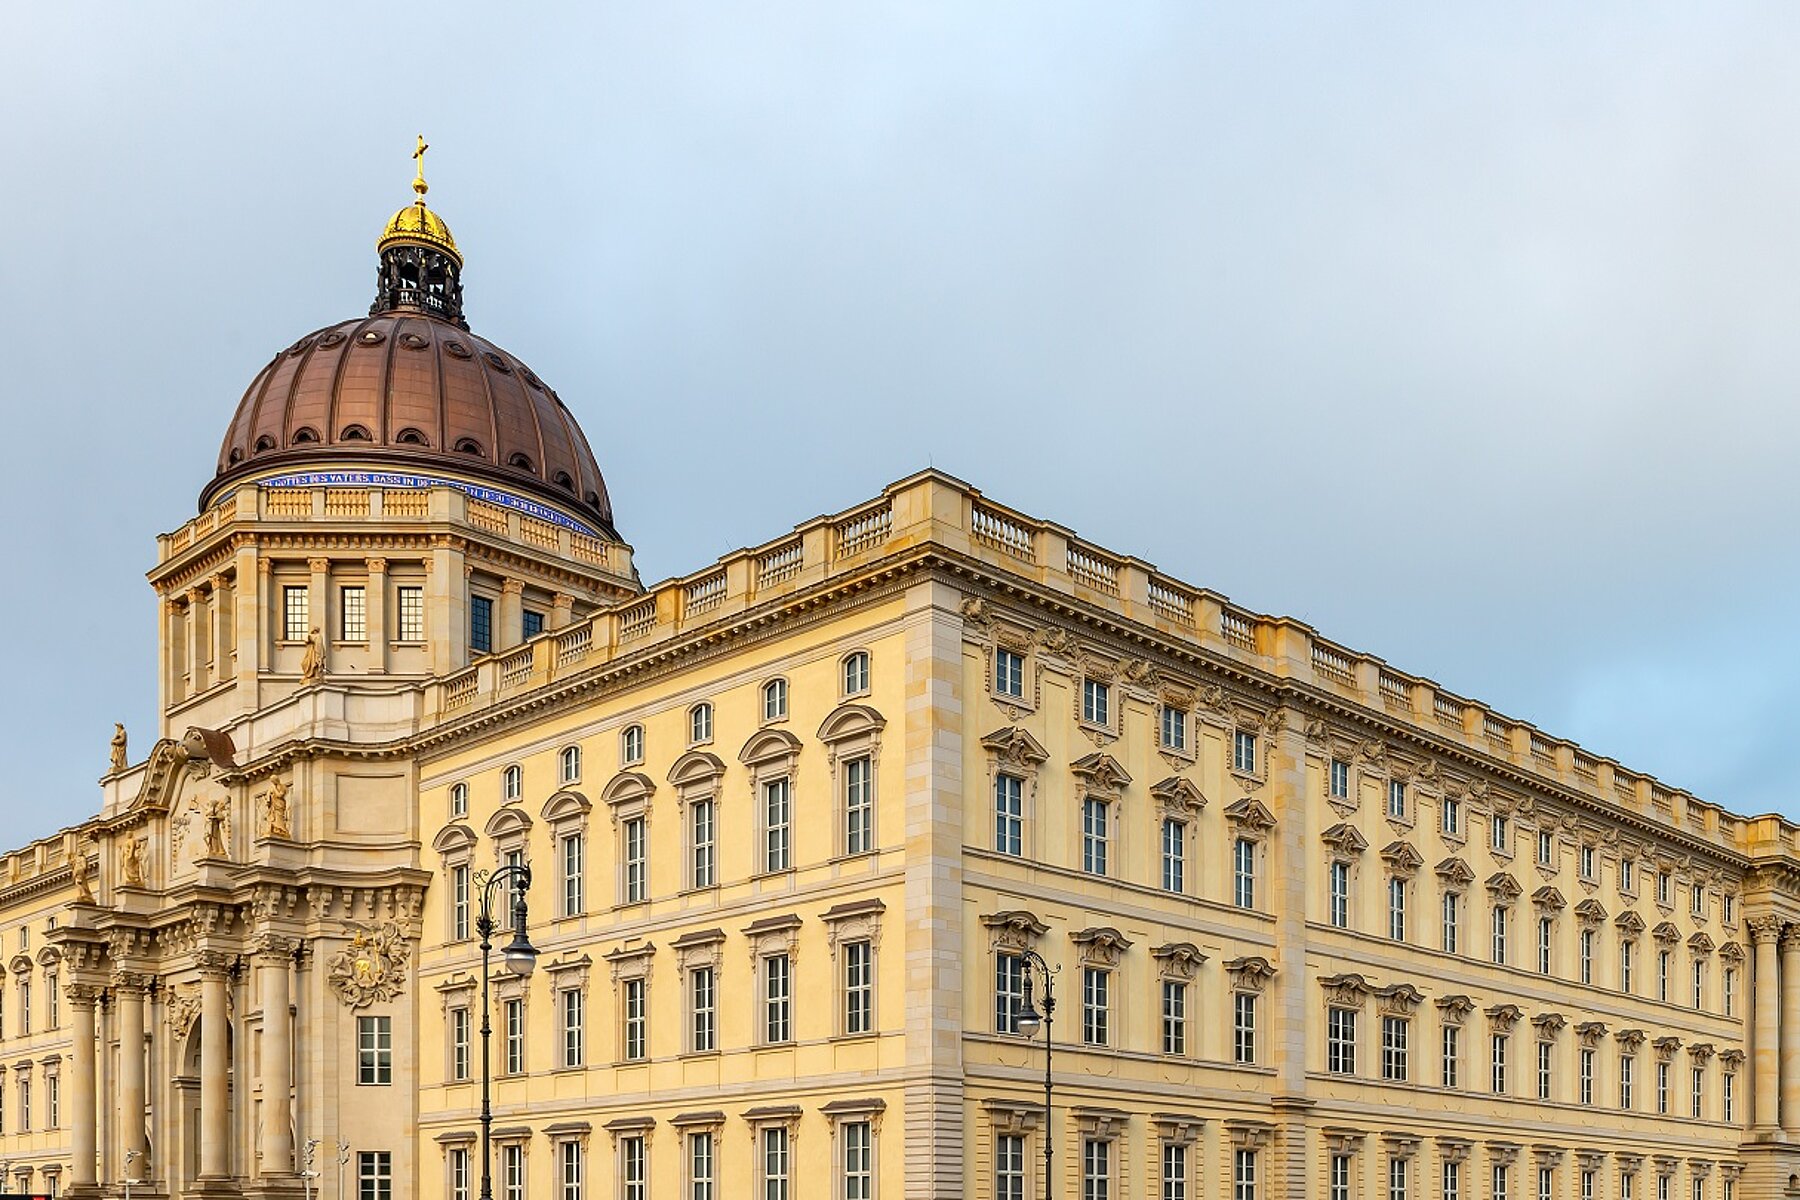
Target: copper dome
{"x":416,"y":393}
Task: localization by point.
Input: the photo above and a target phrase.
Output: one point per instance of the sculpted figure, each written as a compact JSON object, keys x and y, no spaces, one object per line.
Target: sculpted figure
{"x":131,"y":863}
{"x":118,"y":746}
{"x":312,"y":663}
{"x":78,"y":871}
{"x":215,"y":828}
{"x":275,"y":810}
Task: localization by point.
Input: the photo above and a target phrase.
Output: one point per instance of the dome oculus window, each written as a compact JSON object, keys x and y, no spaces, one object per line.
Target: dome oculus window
{"x":700,"y":724}
{"x":856,"y":673}
{"x":305,"y":435}
{"x":355,"y":433}
{"x":411,"y":437}
{"x":563,"y":480}
{"x":265,"y":442}
{"x":775,"y":700}
{"x":631,"y":745}
{"x":519,"y":461}
{"x":468,"y":446}
{"x":237,"y":455}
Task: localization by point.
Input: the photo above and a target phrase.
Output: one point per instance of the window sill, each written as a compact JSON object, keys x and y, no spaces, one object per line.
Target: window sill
{"x":853,"y":1038}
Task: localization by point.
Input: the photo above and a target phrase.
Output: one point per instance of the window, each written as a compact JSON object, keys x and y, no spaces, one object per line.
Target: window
{"x":52,"y":1101}
{"x":374,"y":1050}
{"x":1728,"y":1097}
{"x":531,"y":623}
{"x":634,"y":1183}
{"x":634,"y":865}
{"x":635,"y":1007}
{"x":459,"y":902}
{"x":1728,"y":991}
{"x":1662,"y":887}
{"x":1174,"y":728}
{"x":569,"y":764}
{"x":1174,"y":855}
{"x":1396,"y":804}
{"x":569,"y":1154}
{"x":700,"y":724}
{"x":1397,"y":1179}
{"x":1243,"y":1027}
{"x":1452,"y":922}
{"x":1339,"y":907}
{"x":700,"y":827}
{"x":1009,"y":992}
{"x":353,"y":614}
{"x":1662,"y":975}
{"x":1096,"y":987}
{"x":1394,"y":1032}
{"x":1497,"y":832}
{"x":777,"y":999}
{"x":1662,"y":1088}
{"x":1499,"y":940}
{"x":1174,"y":1017}
{"x":375,"y":1175}
{"x":1339,"y":785}
{"x":1009,"y":1167}
{"x":1627,"y":955}
{"x":1728,"y":910}
{"x":512,"y":1172}
{"x":703,"y":1004}
{"x":776,"y":812}
{"x":1452,"y":824}
{"x":513,"y":1012}
{"x":24,"y":1103}
{"x":1093,"y":835}
{"x":1339,"y":1188}
{"x":481,"y":624}
{"x":1699,"y":984}
{"x":572,"y":852}
{"x":1546,"y":1183}
{"x":775,"y":700}
{"x":774,"y":1164}
{"x":573,"y":1042}
{"x":1587,"y":1185}
{"x":1009,"y":674}
{"x":631,"y":745}
{"x":1096,"y":1169}
{"x":1243,"y":860}
{"x":1340,"y":1041}
{"x":1243,"y":752}
{"x":459,"y":1044}
{"x":459,"y":1174}
{"x":293,"y":614}
{"x":1175,"y":1171}
{"x":1627,"y":874}
{"x":859,"y":987}
{"x":1586,"y":864}
{"x":1497,"y":1084}
{"x":412,"y":614}
{"x":1545,"y":927}
{"x":856,"y":673}
{"x":1546,"y":1056}
{"x":1452,"y":1181}
{"x":859,"y":806}
{"x":1587,"y":956}
{"x":1096,"y":702}
{"x":859,"y":1160}
{"x":1397,"y":908}
{"x":512,"y":783}
{"x":1502,"y":1176}
{"x":1546,"y":846}
{"x":1452,"y":1058}
{"x":1696,"y":1082}
{"x":1697,"y":905}
{"x":459,"y":800}
{"x":701,"y":1180}
{"x":1585,"y":1077}
{"x":1009,"y":814}
{"x":1243,"y":1175}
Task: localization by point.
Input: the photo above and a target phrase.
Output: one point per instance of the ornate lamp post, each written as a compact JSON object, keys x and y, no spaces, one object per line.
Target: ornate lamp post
{"x":520,"y":957}
{"x":1030,"y":1020}
{"x":308,"y":1172}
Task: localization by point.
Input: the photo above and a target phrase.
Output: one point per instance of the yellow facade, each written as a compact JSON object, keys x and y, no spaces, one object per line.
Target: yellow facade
{"x":1321,"y":928}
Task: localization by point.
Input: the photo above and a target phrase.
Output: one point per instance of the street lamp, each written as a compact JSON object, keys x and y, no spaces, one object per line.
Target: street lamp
{"x":520,"y":956}
{"x":307,"y":1172}
{"x":343,"y":1149}
{"x":131,"y":1156}
{"x":1029,"y":1021}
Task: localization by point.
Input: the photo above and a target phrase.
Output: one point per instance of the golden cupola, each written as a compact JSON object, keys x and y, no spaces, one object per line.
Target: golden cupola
{"x":421,"y":268}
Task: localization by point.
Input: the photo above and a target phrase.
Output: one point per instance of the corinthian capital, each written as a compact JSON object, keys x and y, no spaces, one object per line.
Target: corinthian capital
{"x":1764,"y":929}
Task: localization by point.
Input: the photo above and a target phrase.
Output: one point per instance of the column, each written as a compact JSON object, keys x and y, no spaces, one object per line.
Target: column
{"x":562,"y":610}
{"x":273,"y":957}
{"x":1766,"y":1066}
{"x":82,"y":1129}
{"x":512,"y":615}
{"x":379,"y":635}
{"x":215,"y":1048}
{"x":218,"y":635}
{"x":1790,"y":1031}
{"x":196,"y":643}
{"x":132,"y":1144}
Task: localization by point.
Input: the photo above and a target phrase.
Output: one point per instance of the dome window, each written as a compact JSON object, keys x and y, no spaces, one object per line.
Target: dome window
{"x":355,"y":433}
{"x":305,"y":435}
{"x":593,"y":498}
{"x":519,"y":461}
{"x":237,"y":455}
{"x":265,"y":442}
{"x":562,"y":480}
{"x":468,"y":446}
{"x":411,"y":437}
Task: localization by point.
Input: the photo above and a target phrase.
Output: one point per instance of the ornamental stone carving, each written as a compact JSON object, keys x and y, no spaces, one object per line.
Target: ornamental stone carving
{"x":372,"y":967}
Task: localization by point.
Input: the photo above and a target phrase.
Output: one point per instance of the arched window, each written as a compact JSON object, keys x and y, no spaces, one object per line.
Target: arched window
{"x":856,"y":673}
{"x":774,"y":695}
{"x":237,"y":454}
{"x":265,"y":442}
{"x":468,"y":446}
{"x":354,"y":433}
{"x":700,"y":724}
{"x":563,"y":480}
{"x":512,"y":783}
{"x":305,"y":434}
{"x":631,"y":745}
{"x":411,"y":437}
{"x":519,"y":461}
{"x":570,"y":762}
{"x":459,"y":800}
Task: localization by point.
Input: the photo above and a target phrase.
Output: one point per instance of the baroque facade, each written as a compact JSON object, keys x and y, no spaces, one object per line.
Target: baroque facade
{"x":1322,"y":928}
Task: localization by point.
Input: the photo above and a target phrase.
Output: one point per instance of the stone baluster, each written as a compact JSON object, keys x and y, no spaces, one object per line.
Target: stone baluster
{"x":215,"y":1050}
{"x":130,"y":988}
{"x":84,"y":1128}
{"x":273,"y":958}
{"x":1766,"y":1067}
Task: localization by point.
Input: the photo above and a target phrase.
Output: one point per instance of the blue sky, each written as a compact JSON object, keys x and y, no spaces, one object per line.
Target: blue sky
{"x":1463,"y":332}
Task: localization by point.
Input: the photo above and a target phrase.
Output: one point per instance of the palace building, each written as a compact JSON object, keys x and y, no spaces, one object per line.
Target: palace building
{"x":1321,"y":929}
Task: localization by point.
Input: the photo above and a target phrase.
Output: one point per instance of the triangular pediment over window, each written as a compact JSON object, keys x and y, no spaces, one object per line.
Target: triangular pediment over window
{"x":1015,"y":745}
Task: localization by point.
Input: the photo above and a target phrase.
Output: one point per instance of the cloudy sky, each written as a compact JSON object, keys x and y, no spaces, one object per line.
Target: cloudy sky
{"x":1465,"y":333}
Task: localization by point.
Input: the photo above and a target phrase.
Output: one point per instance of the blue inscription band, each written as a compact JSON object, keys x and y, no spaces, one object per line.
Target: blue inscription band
{"x":397,"y":479}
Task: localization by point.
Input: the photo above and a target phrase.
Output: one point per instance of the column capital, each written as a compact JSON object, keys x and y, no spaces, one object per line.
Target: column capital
{"x":265,"y":565}
{"x":562,"y":600}
{"x":214,"y":964}
{"x":82,"y":993}
{"x":219,"y":582}
{"x":1764,"y":929}
{"x":274,"y":949}
{"x":513,"y":587}
{"x":376,"y":565}
{"x":317,"y":565}
{"x":132,"y":983}
{"x":1790,"y":938}
{"x":193,"y":595}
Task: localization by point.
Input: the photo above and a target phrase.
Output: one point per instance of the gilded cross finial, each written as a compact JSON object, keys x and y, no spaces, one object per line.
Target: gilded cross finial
{"x":419,"y":184}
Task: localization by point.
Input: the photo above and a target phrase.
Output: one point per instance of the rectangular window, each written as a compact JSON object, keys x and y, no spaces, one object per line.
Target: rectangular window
{"x":1243,"y":1027}
{"x":634,"y":1172}
{"x":1546,"y":846}
{"x":1340,"y":779}
{"x":1174,"y":855}
{"x":512,"y":1172}
{"x":1243,"y":752}
{"x":569,"y":1155}
{"x":1728,"y":1097}
{"x":1452,"y":1073}
{"x":701,"y":833}
{"x":1394,"y":1033}
{"x":703,"y":1010}
{"x":859,"y":1161}
{"x":1662,"y":975}
{"x":1499,"y":942}
{"x":1627,"y":1077}
{"x":1096,"y":1169}
{"x":1662,"y":887}
{"x":1587,"y":1185}
{"x":1452,"y":1181}
{"x":573,"y":1052}
{"x":1728,"y":991}
{"x":1585,"y":862}
{"x":1587,"y":956}
{"x":1697,"y":905}
{"x":1339,"y":908}
{"x":1009,"y":992}
{"x":1452,"y":922}
{"x":1009,"y":814}
{"x":1699,"y":984}
{"x":459,"y":902}
{"x":1094,"y":813}
{"x":294,"y":627}
{"x":701,"y":1178}
{"x":1585,"y":1078}
{"x":859,"y":987}
{"x":1009,"y":1167}
{"x":1662,"y":1088}
{"x":777,"y":999}
{"x":775,"y":1164}
{"x":1627,"y":875}
{"x":374,"y":1050}
{"x":375,"y":1175}
{"x":1728,"y":910}
{"x":353,"y":614}
{"x":1627,"y":959}
{"x":1243,"y":862}
{"x":1546,"y":1183}
{"x":1174,"y":728}
{"x":1546,"y":1057}
{"x":1697,"y":1083}
{"x":52,"y":1101}
{"x":514,"y":1015}
{"x":1338,"y":1187}
{"x":1497,"y":1084}
{"x":571,"y":874}
{"x":859,"y":806}
{"x":481,"y":624}
{"x":531,"y":623}
{"x":412,"y":613}
{"x":1397,"y":909}
{"x":777,"y":795}
{"x":1497,"y":832}
{"x":1340,"y":1041}
{"x":1174,"y":1017}
{"x":635,"y":1009}
{"x":1009,"y":674}
{"x":1096,"y":986}
{"x":1545,"y":928}
{"x":1397,"y":1176}
{"x":1396,"y":807}
{"x":1175,"y":1171}
{"x":459,"y":1044}
{"x":1096,"y":702}
{"x":1452,"y":824}
{"x":1243,"y":1175}
{"x":635,"y":868}
{"x":459,"y":1175}
{"x":1502,"y":1177}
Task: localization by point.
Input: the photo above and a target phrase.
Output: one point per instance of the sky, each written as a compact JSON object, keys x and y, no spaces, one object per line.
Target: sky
{"x":1464,"y":333}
